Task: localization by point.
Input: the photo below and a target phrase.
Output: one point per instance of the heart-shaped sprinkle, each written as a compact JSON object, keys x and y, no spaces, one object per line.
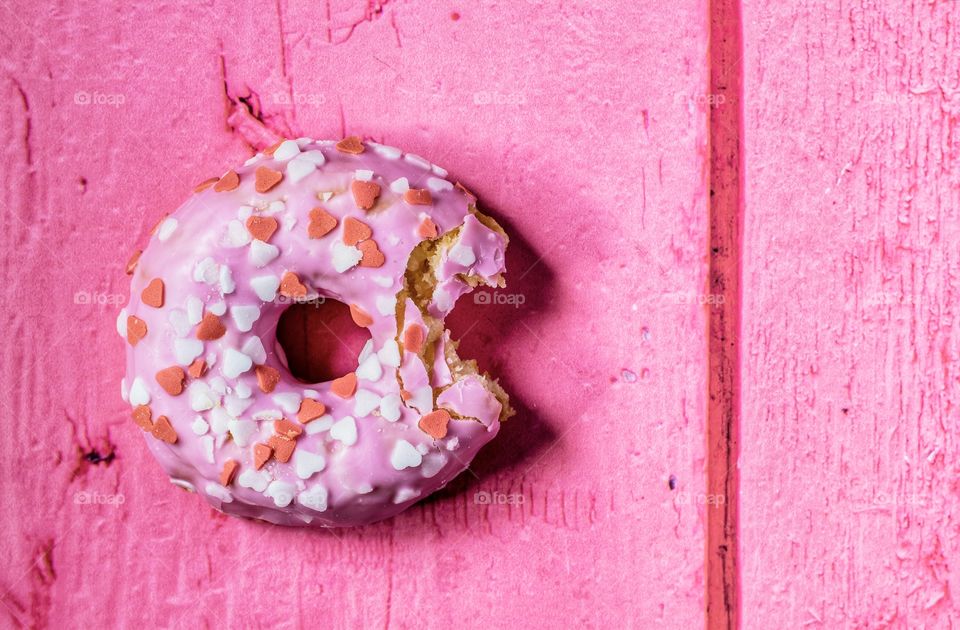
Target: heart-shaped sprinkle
{"x":291,"y":287}
{"x":345,"y":386}
{"x":413,"y":338}
{"x":156,"y":227}
{"x":197,"y":368}
{"x":261,"y":454}
{"x":142,"y":416}
{"x":435,"y":423}
{"x":207,"y":183}
{"x":286,"y":428}
{"x":372,"y":256}
{"x":163,"y":430}
{"x":405,"y":395}
{"x":350,"y":145}
{"x":273,"y":147}
{"x":267,"y":178}
{"x":210,"y":328}
{"x":136,"y":329}
{"x":427,"y":229}
{"x":418,"y":197}
{"x":472,"y":197}
{"x":355,"y":231}
{"x":153,"y":294}
{"x":230,"y":468}
{"x":282,"y":448}
{"x":360,"y":316}
{"x":132,"y":263}
{"x":171,"y":380}
{"x":267,"y":378}
{"x":364,"y":193}
{"x":310,"y":409}
{"x":262,"y":228}
{"x":321,"y":222}
{"x":228,"y":182}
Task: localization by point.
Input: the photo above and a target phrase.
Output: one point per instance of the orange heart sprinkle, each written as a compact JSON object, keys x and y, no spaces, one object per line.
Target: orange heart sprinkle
{"x":171,"y":380}
{"x":136,"y":329}
{"x":262,"y":228}
{"x":143,"y":417}
{"x":286,"y":428}
{"x":163,"y":430}
{"x":261,"y":454}
{"x":372,"y":256}
{"x":197,"y":368}
{"x":267,"y":178}
{"x":228,"y":182}
{"x":360,"y":316}
{"x":282,"y":447}
{"x":310,"y":409}
{"x":229,"y":470}
{"x":364,"y":193}
{"x":345,"y":386}
{"x":132,"y":263}
{"x":435,"y":423}
{"x":427,"y":229}
{"x":291,"y":287}
{"x":210,"y":328}
{"x":207,"y":183}
{"x":153,"y":294}
{"x":321,"y":222}
{"x":413,"y":338}
{"x":355,"y":231}
{"x":267,"y":378}
{"x":418,"y":197}
{"x":350,"y":145}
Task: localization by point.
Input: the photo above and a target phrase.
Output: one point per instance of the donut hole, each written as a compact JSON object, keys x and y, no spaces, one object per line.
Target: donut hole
{"x":320,"y":340}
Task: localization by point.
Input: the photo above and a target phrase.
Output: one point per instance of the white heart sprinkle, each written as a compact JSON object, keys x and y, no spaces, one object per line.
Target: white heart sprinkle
{"x":370,"y":369}
{"x":345,"y":256}
{"x":235,"y":363}
{"x":314,"y":498}
{"x":306,"y":463}
{"x":438,"y":185}
{"x":286,"y":150}
{"x":167,"y":228}
{"x":244,"y":316}
{"x":227,"y":285}
{"x":242,"y":431}
{"x":201,"y":396}
{"x":218,"y":308}
{"x":422,"y":399}
{"x":404,"y":455}
{"x":390,"y":407}
{"x":217,"y":491}
{"x":386,"y":151}
{"x":194,"y":309}
{"x":386,"y":304}
{"x":417,"y":160}
{"x":220,"y":420}
{"x":186,"y":350}
{"x":262,"y":253}
{"x":281,"y":492}
{"x":265,"y":287}
{"x":139,"y":394}
{"x":365,"y":402}
{"x":299,"y":168}
{"x":363,"y":175}
{"x":462,"y":255}
{"x":199,"y":426}
{"x":235,"y":405}
{"x":345,"y":430}
{"x":253,"y":479}
{"x":405,"y":494}
{"x":206,"y":271}
{"x":289,"y":402}
{"x":315,"y":156}
{"x":253,"y":348}
{"x":389,"y":354}
{"x":400,"y":185}
{"x":206,"y":445}
{"x":122,"y":323}
{"x":237,"y":235}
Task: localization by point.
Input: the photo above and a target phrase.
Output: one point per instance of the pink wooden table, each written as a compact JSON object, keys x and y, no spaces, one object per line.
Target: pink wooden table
{"x":736,"y":398}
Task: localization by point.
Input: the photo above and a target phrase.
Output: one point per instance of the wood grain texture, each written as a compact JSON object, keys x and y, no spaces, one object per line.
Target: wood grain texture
{"x":582,"y":127}
{"x":850,"y":340}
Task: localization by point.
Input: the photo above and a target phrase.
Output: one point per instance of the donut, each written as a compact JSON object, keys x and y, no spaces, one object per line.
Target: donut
{"x":385,"y":233}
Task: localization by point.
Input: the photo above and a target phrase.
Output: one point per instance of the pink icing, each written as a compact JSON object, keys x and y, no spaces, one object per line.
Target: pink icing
{"x":342,"y":473}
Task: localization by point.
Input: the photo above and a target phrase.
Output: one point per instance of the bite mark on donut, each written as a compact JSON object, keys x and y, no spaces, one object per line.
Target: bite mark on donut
{"x":163,"y":430}
{"x":261,"y":455}
{"x":372,"y":256}
{"x":207,"y":183}
{"x":171,"y":380}
{"x":267,"y":378}
{"x":132,"y":263}
{"x":210,"y":328}
{"x":355,"y":231}
{"x":351,"y":144}
{"x":230,"y":468}
{"x":435,"y":423}
{"x":143,"y":417}
{"x":266,"y":179}
{"x":413,"y":338}
{"x":228,"y":182}
{"x":360,"y":317}
{"x":310,"y":409}
{"x":152,"y":295}
{"x":136,"y":329}
{"x":364,"y":193}
{"x":321,"y":223}
{"x":291,"y":287}
{"x":345,"y":386}
{"x":262,"y":228}
{"x":418,"y":197}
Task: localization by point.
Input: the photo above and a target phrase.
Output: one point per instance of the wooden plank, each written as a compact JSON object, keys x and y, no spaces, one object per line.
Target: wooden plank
{"x":581,"y":125}
{"x":850,"y":340}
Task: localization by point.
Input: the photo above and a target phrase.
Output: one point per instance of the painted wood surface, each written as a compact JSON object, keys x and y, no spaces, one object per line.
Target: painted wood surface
{"x":582,"y":126}
{"x":850,"y":344}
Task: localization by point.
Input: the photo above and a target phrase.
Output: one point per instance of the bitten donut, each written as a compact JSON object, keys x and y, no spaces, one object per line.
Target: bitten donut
{"x":382,"y":231}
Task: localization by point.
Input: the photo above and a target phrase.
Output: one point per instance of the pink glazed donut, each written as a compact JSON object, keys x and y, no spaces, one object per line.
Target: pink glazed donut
{"x":358,"y":222}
